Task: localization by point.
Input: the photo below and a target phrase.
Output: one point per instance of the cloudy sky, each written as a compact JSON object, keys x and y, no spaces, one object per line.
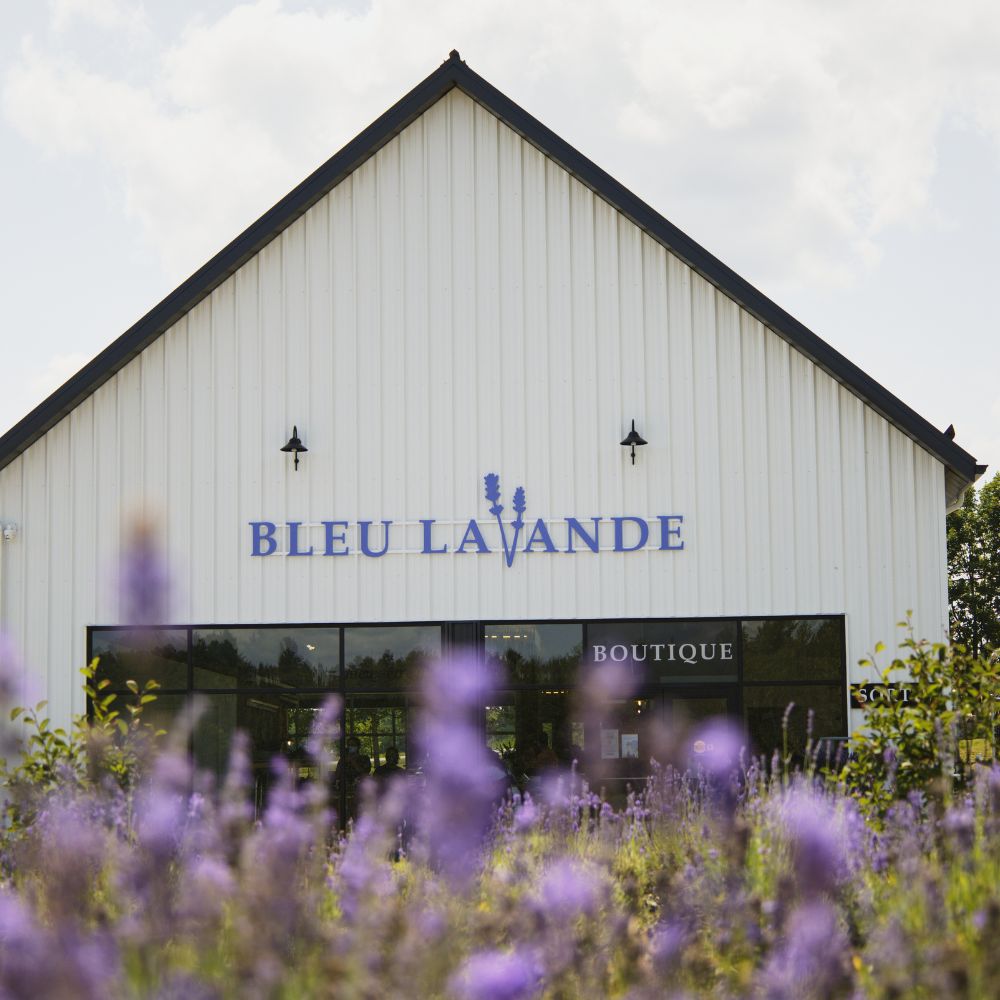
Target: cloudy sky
{"x":844,"y":158}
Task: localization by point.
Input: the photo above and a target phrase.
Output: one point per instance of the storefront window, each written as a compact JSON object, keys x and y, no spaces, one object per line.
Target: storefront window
{"x":266,"y":657}
{"x":533,"y":730}
{"x":278,"y":725}
{"x":270,"y":682}
{"x":765,"y":709}
{"x":388,"y":657}
{"x":140,"y":656}
{"x":793,"y":649}
{"x":535,"y":654}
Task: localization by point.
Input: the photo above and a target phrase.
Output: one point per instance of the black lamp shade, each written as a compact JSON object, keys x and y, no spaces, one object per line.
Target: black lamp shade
{"x":633,"y":440}
{"x":295,"y":446}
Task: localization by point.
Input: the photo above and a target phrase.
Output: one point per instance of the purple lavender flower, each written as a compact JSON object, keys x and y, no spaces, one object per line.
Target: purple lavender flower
{"x":144,"y":579}
{"x":497,"y":975}
{"x":717,"y":747}
{"x":324,"y":732}
{"x":818,"y":840}
{"x":463,"y":779}
{"x":568,"y":890}
{"x":813,"y":959}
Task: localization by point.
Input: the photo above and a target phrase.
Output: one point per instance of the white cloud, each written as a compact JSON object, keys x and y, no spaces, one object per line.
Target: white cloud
{"x":786,"y":137}
{"x":108,"y":14}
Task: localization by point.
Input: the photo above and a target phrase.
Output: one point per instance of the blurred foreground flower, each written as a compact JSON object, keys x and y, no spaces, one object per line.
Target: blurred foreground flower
{"x":144,"y":580}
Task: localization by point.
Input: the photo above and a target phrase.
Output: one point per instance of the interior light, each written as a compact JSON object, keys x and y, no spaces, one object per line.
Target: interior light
{"x":310,"y":647}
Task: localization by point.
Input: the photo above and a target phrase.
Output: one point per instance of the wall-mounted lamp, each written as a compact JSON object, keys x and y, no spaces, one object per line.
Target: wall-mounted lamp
{"x":295,"y":446}
{"x":633,"y":441}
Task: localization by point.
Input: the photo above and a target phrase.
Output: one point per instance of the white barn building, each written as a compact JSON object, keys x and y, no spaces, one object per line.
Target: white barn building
{"x":459,"y":294}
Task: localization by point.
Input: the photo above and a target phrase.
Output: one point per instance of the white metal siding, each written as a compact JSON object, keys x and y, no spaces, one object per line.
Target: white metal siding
{"x":461,"y":305}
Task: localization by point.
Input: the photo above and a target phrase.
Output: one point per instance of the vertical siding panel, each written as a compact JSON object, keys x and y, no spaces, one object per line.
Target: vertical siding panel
{"x":733,"y":489}
{"x":583,"y":497}
{"x":370,"y":397}
{"x":421,"y":452}
{"x":294,"y":335}
{"x":153,"y":422}
{"x":756,"y":512}
{"x":34,"y":538}
{"x":804,"y":530}
{"x":276,"y":466}
{"x":681,"y":432}
{"x":557,"y":573}
{"x":13,"y":606}
{"x":463,"y":358}
{"x":780,"y":461}
{"x":203,"y":450}
{"x":389,"y":569}
{"x":706,"y":501}
{"x":320,"y":459}
{"x":347,"y":445}
{"x":444,"y":495}
{"x":179,"y":495}
{"x":224,"y":516}
{"x":654,"y":460}
{"x":253,"y":442}
{"x":109,"y":502}
{"x":854,"y":507}
{"x":633,"y":496}
{"x":879,"y":563}
{"x":902,"y":505}
{"x":830,"y":495}
{"x":610,"y":404}
{"x":512,"y":411}
{"x":534,"y":580}
{"x":84,"y":580}
{"x":489,"y":403}
{"x":57,"y":545}
{"x":931,"y":618}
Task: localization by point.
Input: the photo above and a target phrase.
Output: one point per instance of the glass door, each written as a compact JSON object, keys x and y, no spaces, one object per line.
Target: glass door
{"x":687,"y":710}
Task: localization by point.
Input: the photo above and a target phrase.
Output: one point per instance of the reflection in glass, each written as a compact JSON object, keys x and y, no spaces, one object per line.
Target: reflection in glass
{"x":765,"y":707}
{"x":533,"y":731}
{"x":278,"y":724}
{"x":141,"y":655}
{"x":379,"y":721}
{"x":266,"y":657}
{"x":667,"y":651}
{"x":535,"y":654}
{"x":388,"y":657}
{"x":793,"y":649}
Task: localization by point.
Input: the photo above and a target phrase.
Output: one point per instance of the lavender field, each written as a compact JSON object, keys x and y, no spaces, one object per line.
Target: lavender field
{"x":128,"y":874}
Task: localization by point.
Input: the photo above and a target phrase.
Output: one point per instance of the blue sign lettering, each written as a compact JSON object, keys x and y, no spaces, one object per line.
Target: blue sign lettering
{"x":262,"y":534}
{"x":630,"y":533}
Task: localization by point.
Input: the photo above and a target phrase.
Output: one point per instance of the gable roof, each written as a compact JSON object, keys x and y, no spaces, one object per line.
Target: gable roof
{"x":961,"y":467}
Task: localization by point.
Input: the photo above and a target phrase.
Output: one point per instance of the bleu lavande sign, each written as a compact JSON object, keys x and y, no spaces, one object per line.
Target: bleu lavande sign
{"x":509,"y":536}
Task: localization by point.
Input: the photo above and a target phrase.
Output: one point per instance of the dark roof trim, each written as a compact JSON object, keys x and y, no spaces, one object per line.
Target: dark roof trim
{"x":455,"y":73}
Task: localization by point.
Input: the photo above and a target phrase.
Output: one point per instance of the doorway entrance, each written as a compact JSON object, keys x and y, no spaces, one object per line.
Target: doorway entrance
{"x":660,"y":724}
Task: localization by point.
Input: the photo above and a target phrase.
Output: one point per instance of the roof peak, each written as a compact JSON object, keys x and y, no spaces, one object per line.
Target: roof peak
{"x":454,"y":72}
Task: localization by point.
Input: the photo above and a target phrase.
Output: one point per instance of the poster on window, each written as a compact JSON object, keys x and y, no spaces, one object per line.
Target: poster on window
{"x":609,"y":744}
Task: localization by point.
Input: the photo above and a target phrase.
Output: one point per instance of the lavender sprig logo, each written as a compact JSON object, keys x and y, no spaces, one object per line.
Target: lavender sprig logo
{"x":492,"y":483}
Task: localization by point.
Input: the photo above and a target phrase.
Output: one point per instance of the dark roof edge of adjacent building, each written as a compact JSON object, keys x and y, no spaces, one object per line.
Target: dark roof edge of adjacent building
{"x":961,"y":466}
